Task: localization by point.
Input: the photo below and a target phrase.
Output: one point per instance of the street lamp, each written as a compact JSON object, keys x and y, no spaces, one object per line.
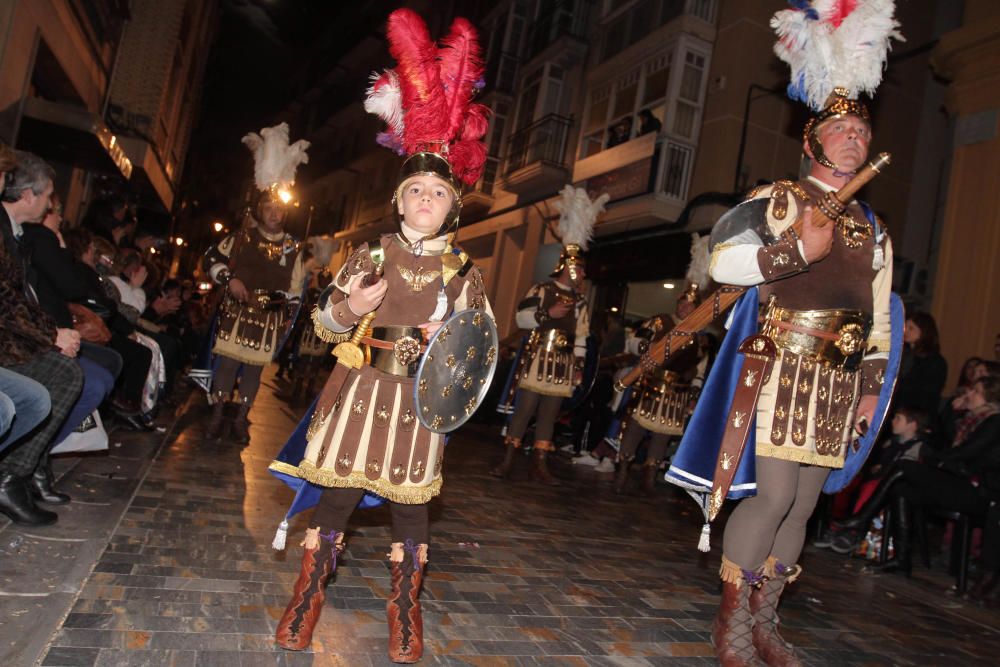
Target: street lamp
{"x":179,"y":241}
{"x":218,"y":226}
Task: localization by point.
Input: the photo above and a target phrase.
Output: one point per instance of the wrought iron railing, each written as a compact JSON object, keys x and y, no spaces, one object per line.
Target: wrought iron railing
{"x":542,"y":141}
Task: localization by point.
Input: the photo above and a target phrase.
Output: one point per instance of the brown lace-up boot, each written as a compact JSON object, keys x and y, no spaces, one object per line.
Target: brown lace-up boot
{"x":510,"y":447}
{"x":732,"y":629}
{"x":241,"y":425}
{"x":319,"y":561}
{"x":406,"y":625}
{"x":215,"y":422}
{"x":649,"y":470}
{"x":772,"y":649}
{"x":621,"y":475}
{"x":540,"y":468}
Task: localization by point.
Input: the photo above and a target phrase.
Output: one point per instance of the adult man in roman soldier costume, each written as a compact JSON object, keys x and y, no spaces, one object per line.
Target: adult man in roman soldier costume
{"x":661,"y":404}
{"x":817,"y":374}
{"x":260,"y":267}
{"x":367,"y":433}
{"x":558,"y":317}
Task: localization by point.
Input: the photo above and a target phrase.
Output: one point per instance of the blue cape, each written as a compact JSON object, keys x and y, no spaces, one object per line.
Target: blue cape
{"x":306,"y":493}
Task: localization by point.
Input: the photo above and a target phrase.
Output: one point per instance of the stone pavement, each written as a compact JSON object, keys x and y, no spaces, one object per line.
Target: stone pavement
{"x":518,"y":575}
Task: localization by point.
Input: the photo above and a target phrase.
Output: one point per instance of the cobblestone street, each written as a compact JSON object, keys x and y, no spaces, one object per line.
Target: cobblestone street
{"x":183,"y":572}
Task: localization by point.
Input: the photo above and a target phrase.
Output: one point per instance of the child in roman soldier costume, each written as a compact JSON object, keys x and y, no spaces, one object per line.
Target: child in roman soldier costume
{"x":260,"y":267}
{"x":365,"y":435}
{"x":557,"y":314}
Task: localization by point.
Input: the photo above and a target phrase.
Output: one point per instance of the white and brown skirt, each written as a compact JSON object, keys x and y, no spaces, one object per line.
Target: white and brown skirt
{"x":371,"y":439}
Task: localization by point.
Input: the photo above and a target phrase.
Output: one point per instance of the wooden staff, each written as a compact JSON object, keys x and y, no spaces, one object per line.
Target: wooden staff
{"x":831,"y":205}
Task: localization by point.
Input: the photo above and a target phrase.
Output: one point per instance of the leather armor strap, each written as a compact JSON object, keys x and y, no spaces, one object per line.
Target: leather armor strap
{"x":759,"y":354}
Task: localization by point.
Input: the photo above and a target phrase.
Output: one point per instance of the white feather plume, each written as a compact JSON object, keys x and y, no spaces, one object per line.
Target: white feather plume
{"x":385,"y":99}
{"x":577,"y":215}
{"x":275,"y":161}
{"x":835,"y":43}
{"x":322,"y":249}
{"x":697,"y":272}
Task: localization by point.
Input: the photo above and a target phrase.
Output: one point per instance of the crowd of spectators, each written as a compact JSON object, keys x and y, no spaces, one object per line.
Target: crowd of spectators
{"x":942,"y":456}
{"x":88,"y":326}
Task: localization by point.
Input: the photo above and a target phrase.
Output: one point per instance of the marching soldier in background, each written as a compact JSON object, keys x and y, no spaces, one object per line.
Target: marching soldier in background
{"x":260,"y":267}
{"x":557,"y":314}
{"x":312,"y":353}
{"x":661,"y":404}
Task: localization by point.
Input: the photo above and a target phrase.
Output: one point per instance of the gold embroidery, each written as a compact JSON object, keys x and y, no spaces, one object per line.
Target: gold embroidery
{"x":419,"y":280}
{"x":373,"y":466}
{"x":750,"y":378}
{"x":418,"y":469}
{"x":739,"y":418}
{"x":727,"y":461}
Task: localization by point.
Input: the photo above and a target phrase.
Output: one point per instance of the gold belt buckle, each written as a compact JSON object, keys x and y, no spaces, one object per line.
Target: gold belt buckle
{"x":406,"y":350}
{"x":850,"y":338}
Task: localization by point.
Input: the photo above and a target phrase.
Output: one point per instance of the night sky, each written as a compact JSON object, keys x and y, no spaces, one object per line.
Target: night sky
{"x":265,"y":53}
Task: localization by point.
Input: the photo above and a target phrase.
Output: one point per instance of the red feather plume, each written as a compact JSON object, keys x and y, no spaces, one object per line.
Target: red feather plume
{"x":461,"y":68}
{"x":436,"y":87}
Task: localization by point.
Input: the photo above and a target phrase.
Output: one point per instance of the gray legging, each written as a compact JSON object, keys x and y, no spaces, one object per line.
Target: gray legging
{"x":655,"y":451}
{"x":225,"y":378}
{"x":773,"y":523}
{"x":529,"y":402}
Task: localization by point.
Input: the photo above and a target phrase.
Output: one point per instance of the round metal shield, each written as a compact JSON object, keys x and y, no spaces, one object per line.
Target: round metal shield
{"x":456,"y":370}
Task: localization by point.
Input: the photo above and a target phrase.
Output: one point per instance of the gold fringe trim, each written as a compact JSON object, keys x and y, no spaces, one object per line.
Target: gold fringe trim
{"x":545,"y":446}
{"x":800,"y":455}
{"x":406,"y":495}
{"x":326,"y":335}
{"x":769,"y":567}
{"x":792,"y":572}
{"x":511,"y":441}
{"x":286,"y":468}
{"x":731,"y":573}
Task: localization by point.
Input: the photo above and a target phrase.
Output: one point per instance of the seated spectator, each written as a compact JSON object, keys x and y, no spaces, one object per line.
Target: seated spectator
{"x":964,"y":478}
{"x":31,"y":345}
{"x":136,"y":392}
{"x":909,"y":430}
{"x":57,"y":285}
{"x":24,"y":405}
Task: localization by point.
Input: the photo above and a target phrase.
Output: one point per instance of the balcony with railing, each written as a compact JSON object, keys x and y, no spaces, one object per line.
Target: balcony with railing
{"x":536,"y":155}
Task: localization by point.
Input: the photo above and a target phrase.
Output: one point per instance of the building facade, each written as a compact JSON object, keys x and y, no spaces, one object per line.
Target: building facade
{"x":674,"y":107}
{"x":104,"y":89}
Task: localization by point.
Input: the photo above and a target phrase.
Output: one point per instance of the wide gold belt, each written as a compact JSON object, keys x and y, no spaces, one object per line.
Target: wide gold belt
{"x":831,"y":337}
{"x":258,"y":301}
{"x":550,"y":340}
{"x":395,"y":349}
{"x":656,"y":380}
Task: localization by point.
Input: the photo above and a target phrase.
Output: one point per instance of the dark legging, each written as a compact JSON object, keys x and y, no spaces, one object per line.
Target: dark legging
{"x":655,"y":451}
{"x":529,"y":402}
{"x":773,"y":523}
{"x":409,"y":522}
{"x":225,"y":378}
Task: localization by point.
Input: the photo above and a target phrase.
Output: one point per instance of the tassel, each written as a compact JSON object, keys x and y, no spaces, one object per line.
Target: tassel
{"x":878,"y":260}
{"x":280,"y":536}
{"x":441,"y":309}
{"x":704,"y":544}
